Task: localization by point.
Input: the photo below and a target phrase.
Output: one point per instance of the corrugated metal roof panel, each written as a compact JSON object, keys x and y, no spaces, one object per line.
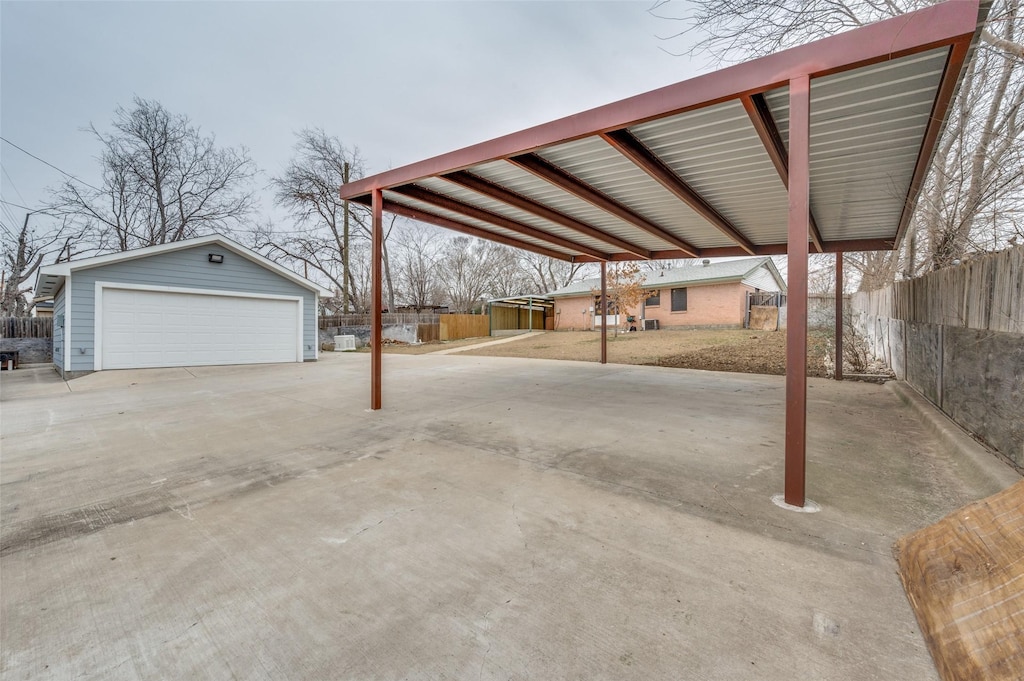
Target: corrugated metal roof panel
{"x":602,"y":167}
{"x":426,"y":207}
{"x":717,"y":152}
{"x":862,"y":120}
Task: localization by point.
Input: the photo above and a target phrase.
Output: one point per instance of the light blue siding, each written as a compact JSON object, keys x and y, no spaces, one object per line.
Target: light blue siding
{"x":187,"y":268}
{"x":58,"y":329}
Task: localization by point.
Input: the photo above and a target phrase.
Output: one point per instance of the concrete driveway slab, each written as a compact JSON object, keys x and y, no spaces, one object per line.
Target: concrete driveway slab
{"x":500,"y":518}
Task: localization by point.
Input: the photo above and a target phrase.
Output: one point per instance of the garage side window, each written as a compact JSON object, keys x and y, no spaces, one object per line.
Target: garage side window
{"x":653,"y":300}
{"x":679,"y":300}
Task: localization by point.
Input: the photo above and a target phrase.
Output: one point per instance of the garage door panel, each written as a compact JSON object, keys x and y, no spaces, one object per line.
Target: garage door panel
{"x":161,"y":329}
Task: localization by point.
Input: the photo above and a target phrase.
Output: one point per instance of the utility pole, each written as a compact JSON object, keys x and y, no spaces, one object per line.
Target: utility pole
{"x":345,"y":170}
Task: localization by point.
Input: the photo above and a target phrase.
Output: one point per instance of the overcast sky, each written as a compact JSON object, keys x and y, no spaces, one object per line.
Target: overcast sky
{"x":401,"y":80}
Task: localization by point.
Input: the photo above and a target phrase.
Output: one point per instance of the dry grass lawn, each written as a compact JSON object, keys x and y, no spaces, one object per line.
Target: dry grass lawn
{"x":740,"y":350}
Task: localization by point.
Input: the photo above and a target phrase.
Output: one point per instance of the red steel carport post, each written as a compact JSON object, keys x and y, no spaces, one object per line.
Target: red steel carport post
{"x":839,"y":316}
{"x":796,"y":318}
{"x":603,"y":307}
{"x":377,"y":239}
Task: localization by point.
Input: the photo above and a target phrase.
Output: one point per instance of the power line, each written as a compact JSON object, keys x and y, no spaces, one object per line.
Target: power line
{"x":9,"y":214}
{"x":11,"y":180}
{"x":18,"y":205}
{"x":7,"y":211}
{"x":44,"y":162}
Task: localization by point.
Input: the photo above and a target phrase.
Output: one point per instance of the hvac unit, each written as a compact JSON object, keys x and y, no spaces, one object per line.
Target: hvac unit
{"x":344,"y":343}
{"x":650,"y":325}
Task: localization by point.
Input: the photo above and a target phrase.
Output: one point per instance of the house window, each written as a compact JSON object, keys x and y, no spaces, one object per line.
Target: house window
{"x":654,"y":300}
{"x":679,"y":300}
{"x":612,"y":306}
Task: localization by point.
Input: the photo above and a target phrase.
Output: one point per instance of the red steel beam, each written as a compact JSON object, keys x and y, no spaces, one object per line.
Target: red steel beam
{"x":604,"y":313}
{"x":796,"y":314}
{"x":643,"y":158}
{"x":456,"y":206}
{"x":764,"y":123}
{"x":911,"y":33}
{"x":947,"y":88}
{"x":839,"y":317}
{"x":470,"y":230}
{"x":499,"y":193}
{"x":377,"y":297}
{"x":553,"y":174}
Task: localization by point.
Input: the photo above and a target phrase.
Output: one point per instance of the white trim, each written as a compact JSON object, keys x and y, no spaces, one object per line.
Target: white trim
{"x":98,"y":310}
{"x":316,"y":327}
{"x":66,"y":268}
{"x":67,"y":327}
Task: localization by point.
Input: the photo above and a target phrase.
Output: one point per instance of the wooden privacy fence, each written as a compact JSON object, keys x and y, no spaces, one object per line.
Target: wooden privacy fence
{"x":26,"y":327}
{"x":427,"y":333}
{"x":456,"y":326}
{"x":986,"y":293}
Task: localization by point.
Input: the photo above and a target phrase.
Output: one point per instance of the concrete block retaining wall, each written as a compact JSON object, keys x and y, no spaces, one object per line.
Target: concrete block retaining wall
{"x":976,"y":377}
{"x":30,"y":350}
{"x":400,"y":332}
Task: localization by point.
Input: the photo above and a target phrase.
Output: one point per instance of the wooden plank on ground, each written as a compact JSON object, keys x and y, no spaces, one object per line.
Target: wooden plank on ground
{"x":964,"y":577}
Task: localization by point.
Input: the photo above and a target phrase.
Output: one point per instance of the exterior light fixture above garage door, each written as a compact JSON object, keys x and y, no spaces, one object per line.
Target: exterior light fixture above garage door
{"x":215,"y":258}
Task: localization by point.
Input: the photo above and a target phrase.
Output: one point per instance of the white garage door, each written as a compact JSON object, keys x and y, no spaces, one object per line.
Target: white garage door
{"x":139,"y":329}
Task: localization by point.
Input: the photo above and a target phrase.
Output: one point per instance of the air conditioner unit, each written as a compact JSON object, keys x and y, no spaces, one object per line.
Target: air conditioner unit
{"x":650,"y":325}
{"x":344,"y":343}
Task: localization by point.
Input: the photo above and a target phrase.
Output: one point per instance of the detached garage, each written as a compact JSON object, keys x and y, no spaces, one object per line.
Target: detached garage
{"x":203,"y":301}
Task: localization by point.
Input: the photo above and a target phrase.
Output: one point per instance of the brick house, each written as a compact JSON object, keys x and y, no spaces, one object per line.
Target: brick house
{"x":703,"y":295}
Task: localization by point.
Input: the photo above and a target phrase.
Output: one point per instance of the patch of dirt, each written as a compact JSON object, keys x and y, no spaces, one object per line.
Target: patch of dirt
{"x":739,"y":350}
{"x":756,"y":353}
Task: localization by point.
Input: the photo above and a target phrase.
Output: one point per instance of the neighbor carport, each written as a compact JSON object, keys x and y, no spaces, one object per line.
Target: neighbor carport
{"x":823,"y":147}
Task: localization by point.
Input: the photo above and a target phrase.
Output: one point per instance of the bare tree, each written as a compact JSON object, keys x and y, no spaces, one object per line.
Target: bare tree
{"x":308,"y":188}
{"x":416,"y":254}
{"x":424,"y":256}
{"x":547,"y":274}
{"x":24,"y":251}
{"x":163,"y":181}
{"x":509,"y":276}
{"x":326,"y":224}
{"x":467,"y":268}
{"x":972,"y":200}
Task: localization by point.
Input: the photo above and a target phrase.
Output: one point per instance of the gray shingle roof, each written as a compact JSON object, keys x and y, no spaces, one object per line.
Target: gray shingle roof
{"x":730,"y":270}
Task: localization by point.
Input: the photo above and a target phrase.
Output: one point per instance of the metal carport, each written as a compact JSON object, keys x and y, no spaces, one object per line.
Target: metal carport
{"x":824,"y":146}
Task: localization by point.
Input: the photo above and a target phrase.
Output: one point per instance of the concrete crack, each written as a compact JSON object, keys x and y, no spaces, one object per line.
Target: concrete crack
{"x":519,"y":525}
{"x":381,"y":521}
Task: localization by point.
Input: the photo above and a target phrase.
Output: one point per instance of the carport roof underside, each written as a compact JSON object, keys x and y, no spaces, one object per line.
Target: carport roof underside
{"x":700,"y":168}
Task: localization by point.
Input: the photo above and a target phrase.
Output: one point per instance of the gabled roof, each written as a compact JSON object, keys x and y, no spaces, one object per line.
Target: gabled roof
{"x":694,"y":275}
{"x":49,"y":279}
{"x":701,"y":168}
